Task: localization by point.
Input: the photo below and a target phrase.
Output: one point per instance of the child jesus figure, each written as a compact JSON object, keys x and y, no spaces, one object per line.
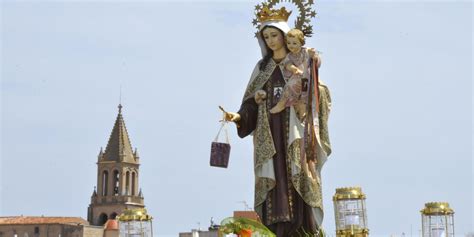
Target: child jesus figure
{"x":297,"y":68}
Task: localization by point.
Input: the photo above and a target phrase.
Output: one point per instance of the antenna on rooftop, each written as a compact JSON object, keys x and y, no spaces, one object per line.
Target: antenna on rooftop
{"x":247,"y":208}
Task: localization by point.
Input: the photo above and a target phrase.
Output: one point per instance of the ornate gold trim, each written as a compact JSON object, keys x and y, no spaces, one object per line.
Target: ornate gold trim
{"x":348,"y":193}
{"x":354,"y":230}
{"x":267,"y":14}
{"x":437,"y":208}
{"x":138,"y":214}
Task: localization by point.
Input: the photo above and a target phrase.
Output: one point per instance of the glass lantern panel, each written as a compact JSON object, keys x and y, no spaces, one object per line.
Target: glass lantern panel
{"x":435,"y":226}
{"x":450,"y":227}
{"x":363,"y":215}
{"x":350,"y":213}
{"x":146,"y":228}
{"x":135,"y":229}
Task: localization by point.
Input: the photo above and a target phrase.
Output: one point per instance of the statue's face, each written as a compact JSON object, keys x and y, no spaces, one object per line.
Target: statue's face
{"x":293,"y":44}
{"x":273,"y":38}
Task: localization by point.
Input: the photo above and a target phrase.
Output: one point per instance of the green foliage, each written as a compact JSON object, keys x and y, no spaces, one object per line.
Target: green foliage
{"x":233,"y":225}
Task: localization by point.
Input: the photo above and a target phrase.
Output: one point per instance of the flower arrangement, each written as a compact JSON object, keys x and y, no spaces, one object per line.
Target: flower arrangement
{"x":243,"y":227}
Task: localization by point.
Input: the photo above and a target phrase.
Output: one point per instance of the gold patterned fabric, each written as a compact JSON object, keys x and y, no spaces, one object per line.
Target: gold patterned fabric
{"x":324,"y":110}
{"x":263,"y":141}
{"x":257,"y":83}
{"x":304,"y":180}
{"x":264,"y":148}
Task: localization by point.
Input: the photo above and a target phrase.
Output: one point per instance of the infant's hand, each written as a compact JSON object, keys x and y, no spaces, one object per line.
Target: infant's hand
{"x":260,"y":96}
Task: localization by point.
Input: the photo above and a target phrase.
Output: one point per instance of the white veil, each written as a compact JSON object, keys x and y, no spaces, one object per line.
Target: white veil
{"x":281,"y":25}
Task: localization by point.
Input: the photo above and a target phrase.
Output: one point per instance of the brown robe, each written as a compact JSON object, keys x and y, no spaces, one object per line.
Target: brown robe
{"x":284,"y":211}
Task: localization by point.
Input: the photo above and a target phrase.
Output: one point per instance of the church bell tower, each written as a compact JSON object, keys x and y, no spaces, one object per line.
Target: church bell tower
{"x":117,"y":177}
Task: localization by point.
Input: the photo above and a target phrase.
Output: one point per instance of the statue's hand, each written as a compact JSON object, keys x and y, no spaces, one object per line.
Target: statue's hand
{"x":231,"y":116}
{"x":260,"y":96}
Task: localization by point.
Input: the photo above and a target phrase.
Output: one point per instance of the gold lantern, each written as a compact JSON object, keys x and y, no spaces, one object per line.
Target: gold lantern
{"x":350,"y":212}
{"x":437,"y":220}
{"x":135,"y":223}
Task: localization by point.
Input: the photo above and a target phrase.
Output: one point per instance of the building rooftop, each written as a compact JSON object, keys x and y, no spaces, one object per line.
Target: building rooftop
{"x":36,"y":220}
{"x":247,"y":214}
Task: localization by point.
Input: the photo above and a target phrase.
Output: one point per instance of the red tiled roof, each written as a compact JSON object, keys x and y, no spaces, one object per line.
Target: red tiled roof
{"x":247,"y":214}
{"x":31,"y":220}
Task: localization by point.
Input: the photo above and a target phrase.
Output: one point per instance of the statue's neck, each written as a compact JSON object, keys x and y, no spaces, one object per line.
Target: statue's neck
{"x":279,"y":54}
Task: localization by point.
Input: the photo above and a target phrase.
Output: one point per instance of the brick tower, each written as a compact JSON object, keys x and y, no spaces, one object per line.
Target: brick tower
{"x":117,"y":177}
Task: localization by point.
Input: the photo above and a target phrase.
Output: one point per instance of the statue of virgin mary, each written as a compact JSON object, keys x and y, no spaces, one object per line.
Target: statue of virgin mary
{"x":287,"y":167}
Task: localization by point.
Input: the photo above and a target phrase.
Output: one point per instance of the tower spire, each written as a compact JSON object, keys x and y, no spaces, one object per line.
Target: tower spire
{"x":119,"y":147}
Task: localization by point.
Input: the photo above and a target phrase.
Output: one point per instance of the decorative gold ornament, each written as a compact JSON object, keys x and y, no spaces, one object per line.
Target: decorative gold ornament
{"x":348,"y":193}
{"x":138,"y":214}
{"x":437,"y":208}
{"x":302,"y":22}
{"x":267,"y":14}
{"x":355,"y":231}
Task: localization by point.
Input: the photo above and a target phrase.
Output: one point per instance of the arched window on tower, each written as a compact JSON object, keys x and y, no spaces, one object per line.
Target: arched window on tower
{"x":133,"y":183}
{"x":105,"y":181}
{"x":102,"y":219}
{"x":116,"y":182}
{"x":127,"y":183}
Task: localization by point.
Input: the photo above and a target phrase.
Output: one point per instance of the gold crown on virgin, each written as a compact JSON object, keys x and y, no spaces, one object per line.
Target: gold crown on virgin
{"x":266,"y":14}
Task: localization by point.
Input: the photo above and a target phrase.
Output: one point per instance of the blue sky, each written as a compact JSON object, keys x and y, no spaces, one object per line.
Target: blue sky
{"x":400,"y":73}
